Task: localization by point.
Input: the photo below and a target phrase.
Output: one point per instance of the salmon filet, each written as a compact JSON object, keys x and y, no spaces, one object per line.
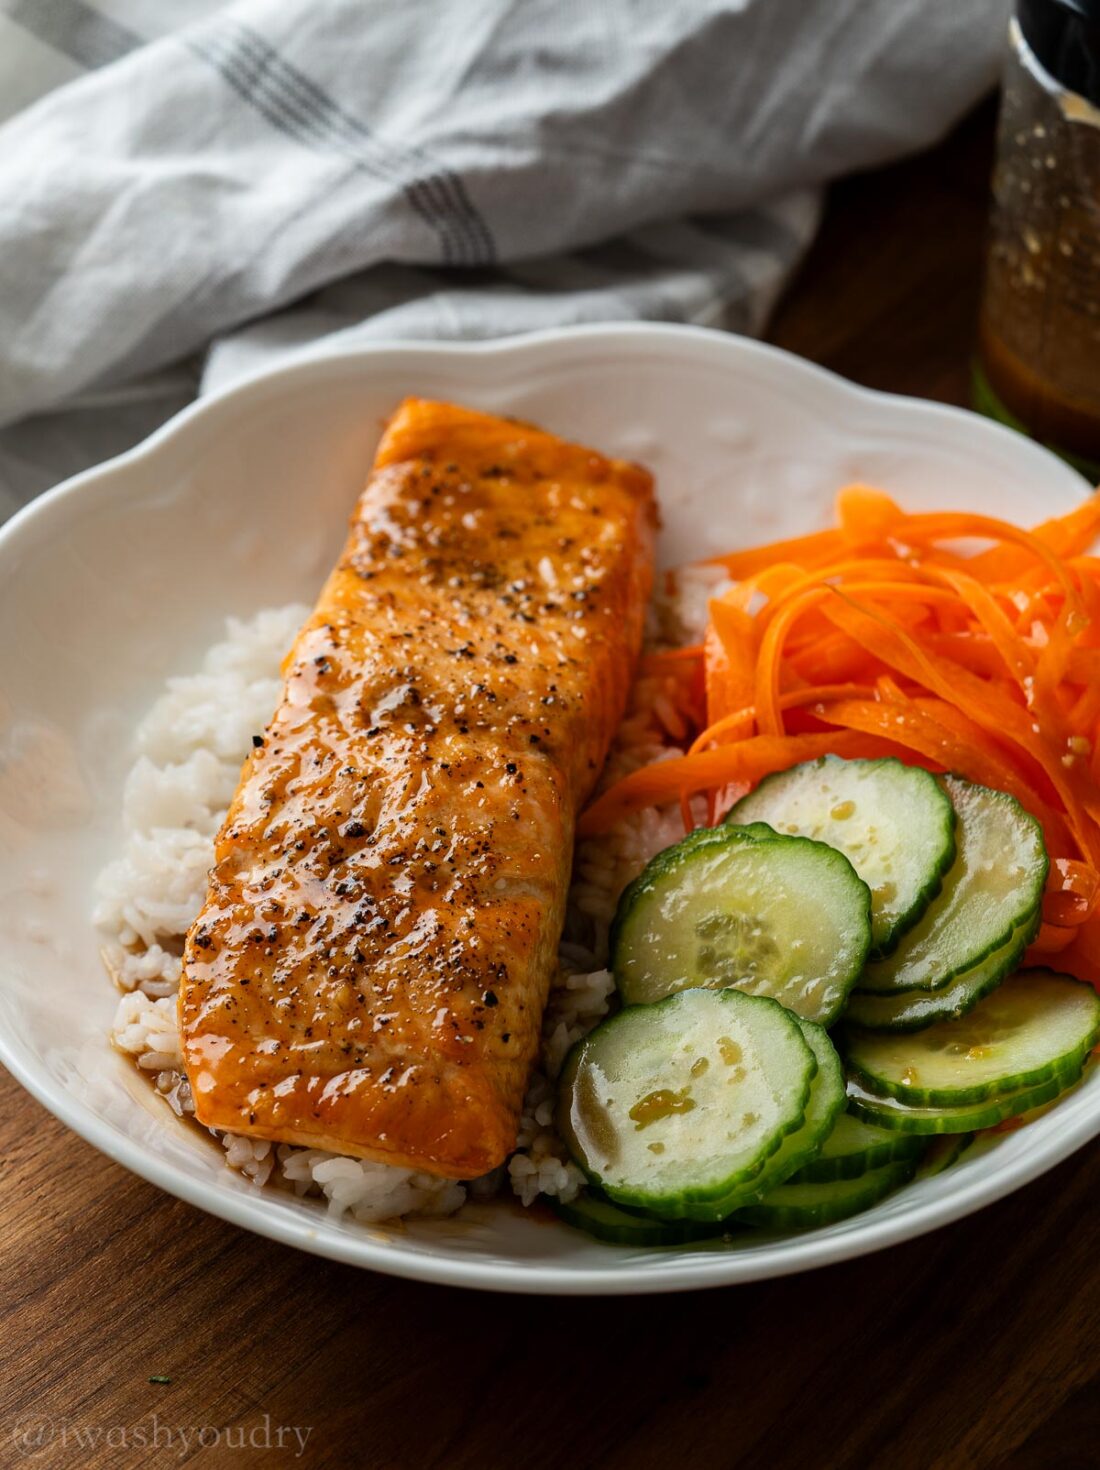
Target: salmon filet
{"x":370,"y":967}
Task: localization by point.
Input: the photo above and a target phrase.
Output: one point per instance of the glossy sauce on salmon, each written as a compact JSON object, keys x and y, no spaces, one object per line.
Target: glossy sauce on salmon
{"x":369,"y":971}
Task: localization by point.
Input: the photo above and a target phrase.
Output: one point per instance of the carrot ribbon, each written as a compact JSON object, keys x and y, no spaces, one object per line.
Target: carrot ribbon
{"x":955,"y":641}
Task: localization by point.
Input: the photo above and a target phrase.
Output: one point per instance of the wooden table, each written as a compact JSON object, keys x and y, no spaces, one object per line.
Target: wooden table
{"x":975,"y":1346}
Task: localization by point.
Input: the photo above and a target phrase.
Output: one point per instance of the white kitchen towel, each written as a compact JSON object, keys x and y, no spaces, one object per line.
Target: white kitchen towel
{"x":190,"y":190}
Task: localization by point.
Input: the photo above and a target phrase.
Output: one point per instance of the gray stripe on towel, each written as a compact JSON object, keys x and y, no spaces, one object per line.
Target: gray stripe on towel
{"x":290,"y":101}
{"x":75,"y":29}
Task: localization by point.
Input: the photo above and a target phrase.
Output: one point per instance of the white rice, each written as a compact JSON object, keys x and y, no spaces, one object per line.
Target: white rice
{"x":189,"y":752}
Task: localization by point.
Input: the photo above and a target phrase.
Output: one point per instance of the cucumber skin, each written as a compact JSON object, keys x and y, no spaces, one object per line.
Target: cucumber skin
{"x":937,"y":1160}
{"x":1069,"y":1064}
{"x":905,"y":921}
{"x":966,"y":1119}
{"x":770,"y":1178}
{"x":757,"y":831}
{"x":774,"y":1214}
{"x":604,"y":1220}
{"x":702,"y":837}
{"x":1064,"y":1073}
{"x":1012,"y":958}
{"x":705,"y":1206}
{"x":1002,"y":939}
{"x":905,"y":1146}
{"x":773,"y":1177}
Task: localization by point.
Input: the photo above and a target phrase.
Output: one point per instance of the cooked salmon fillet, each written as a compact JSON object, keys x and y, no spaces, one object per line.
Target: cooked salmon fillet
{"x":369,"y":970}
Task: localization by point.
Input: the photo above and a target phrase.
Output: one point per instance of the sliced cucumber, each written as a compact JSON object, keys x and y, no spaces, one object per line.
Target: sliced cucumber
{"x":782,"y":917}
{"x":994,"y":887}
{"x":912,"y":1010}
{"x":677,"y":1107}
{"x":806,"y":1206}
{"x":758,"y":831}
{"x":941,"y":1153}
{"x":607,"y":1221}
{"x":892,"y":1112}
{"x":1035,"y":1026}
{"x":855,"y":1147}
{"x":893,"y":823}
{"x":827,"y":1100}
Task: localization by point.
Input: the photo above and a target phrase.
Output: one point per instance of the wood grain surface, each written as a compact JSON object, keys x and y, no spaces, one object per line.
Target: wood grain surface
{"x":972,"y":1347}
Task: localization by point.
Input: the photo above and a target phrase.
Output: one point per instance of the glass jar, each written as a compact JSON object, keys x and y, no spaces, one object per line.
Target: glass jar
{"x":1038,"y":363}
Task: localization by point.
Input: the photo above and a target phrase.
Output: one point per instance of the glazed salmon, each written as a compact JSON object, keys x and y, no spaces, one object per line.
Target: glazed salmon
{"x":369,"y":970}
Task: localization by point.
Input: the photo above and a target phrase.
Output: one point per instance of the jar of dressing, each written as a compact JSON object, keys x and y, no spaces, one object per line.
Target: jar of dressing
{"x":1038,"y":361}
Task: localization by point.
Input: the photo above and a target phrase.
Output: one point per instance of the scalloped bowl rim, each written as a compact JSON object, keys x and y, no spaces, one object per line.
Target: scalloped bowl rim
{"x":987,"y":1180}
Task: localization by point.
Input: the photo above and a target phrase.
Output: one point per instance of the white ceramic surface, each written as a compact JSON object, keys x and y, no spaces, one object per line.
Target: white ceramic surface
{"x":123,"y":575}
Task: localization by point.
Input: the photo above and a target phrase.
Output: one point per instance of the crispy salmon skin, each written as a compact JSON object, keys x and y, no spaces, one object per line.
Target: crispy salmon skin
{"x":370,"y":967}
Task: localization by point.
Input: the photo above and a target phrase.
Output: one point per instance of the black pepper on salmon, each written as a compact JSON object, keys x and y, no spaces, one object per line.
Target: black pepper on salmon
{"x":369,"y":970}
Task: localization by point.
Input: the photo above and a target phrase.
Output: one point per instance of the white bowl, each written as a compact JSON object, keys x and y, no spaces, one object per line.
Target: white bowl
{"x":123,"y":575}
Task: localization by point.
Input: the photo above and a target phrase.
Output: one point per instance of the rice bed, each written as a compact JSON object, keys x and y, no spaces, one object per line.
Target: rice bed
{"x":189,"y":751}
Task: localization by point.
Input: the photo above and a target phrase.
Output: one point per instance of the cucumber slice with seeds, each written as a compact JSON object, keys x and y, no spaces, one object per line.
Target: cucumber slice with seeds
{"x":912,"y":1010}
{"x":826,"y":1101}
{"x":606,"y":1221}
{"x":677,"y":1107}
{"x":782,"y":916}
{"x":809,"y":1206}
{"x":892,"y":1112}
{"x":855,"y":1147}
{"x":993,"y":888}
{"x":893,"y":823}
{"x":1034,"y":1027}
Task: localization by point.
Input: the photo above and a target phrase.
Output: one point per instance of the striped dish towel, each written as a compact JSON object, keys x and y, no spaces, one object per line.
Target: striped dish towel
{"x":190,"y":190}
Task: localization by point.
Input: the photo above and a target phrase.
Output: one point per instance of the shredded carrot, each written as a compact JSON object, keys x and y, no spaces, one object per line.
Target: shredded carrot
{"x":736,"y":725}
{"x":989,"y":705}
{"x":803,"y":550}
{"x":1071,"y":893}
{"x":731,"y":658}
{"x":1082,"y":957}
{"x":669,"y":660}
{"x":742,"y":764}
{"x":1066,"y":536}
{"x":955,"y":641}
{"x":947,"y":740}
{"x":861,"y":509}
{"x":1051,"y":939}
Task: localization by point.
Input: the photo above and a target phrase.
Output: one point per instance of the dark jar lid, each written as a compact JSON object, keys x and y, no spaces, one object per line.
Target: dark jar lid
{"x":1065,"y":37}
